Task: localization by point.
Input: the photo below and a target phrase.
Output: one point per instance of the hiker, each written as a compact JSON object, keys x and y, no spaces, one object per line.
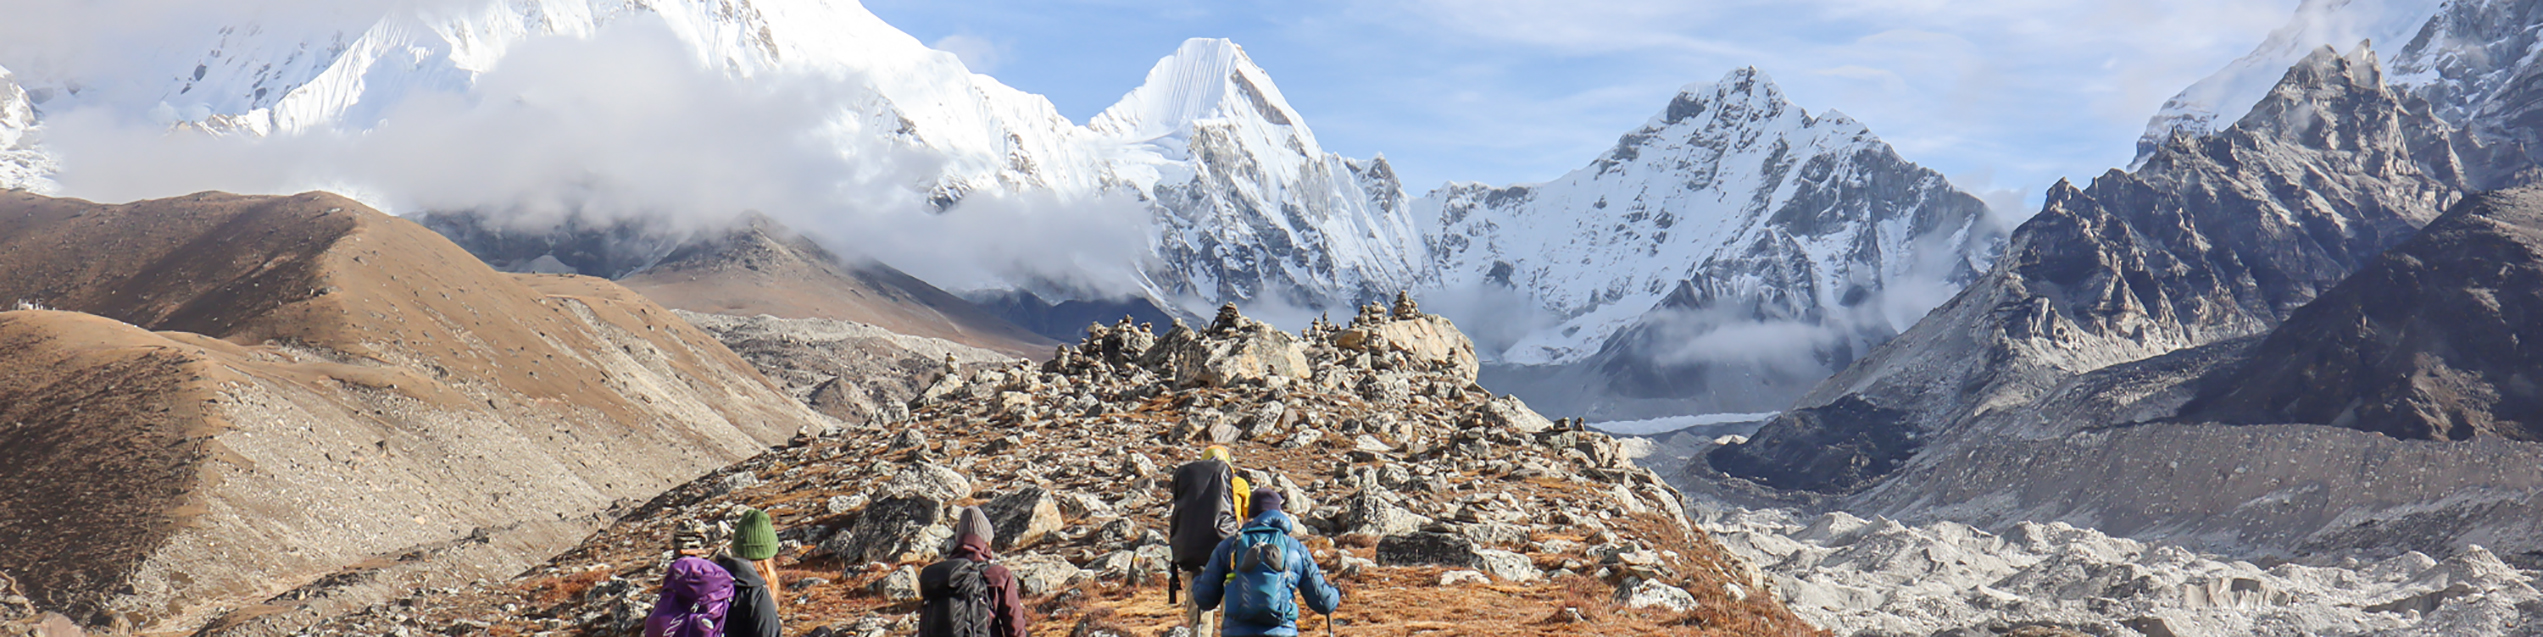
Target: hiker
{"x":969,"y":594}
{"x":1207,"y":498}
{"x":750,"y":561}
{"x":1261,"y":573}
{"x":695,"y":593}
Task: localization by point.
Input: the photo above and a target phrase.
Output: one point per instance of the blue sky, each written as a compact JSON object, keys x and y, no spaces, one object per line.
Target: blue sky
{"x":2004,"y":96}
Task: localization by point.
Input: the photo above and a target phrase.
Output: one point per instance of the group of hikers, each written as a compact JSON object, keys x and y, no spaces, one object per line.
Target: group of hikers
{"x":1248,"y":573}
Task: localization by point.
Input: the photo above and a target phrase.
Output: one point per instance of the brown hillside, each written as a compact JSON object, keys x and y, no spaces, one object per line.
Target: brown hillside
{"x":763,"y":268}
{"x":241,"y":394}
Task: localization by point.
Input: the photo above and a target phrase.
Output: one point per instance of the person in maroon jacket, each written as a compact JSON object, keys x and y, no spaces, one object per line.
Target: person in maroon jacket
{"x":969,"y":594}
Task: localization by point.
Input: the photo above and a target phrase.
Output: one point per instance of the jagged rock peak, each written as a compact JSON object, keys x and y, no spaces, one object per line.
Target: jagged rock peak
{"x":2201,"y":244}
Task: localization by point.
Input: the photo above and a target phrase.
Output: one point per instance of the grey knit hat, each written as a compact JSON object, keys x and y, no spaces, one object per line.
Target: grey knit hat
{"x":972,"y":521}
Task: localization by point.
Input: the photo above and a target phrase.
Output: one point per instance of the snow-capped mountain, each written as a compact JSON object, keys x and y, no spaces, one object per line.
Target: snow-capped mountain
{"x":2476,"y":64}
{"x":1734,"y":190}
{"x":23,"y":166}
{"x":2242,"y":83}
{"x":1249,"y":207}
{"x":1732,"y":251}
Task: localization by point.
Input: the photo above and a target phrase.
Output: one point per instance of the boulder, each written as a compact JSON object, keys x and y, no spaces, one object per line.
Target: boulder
{"x":1232,"y":352}
{"x":1427,"y":548}
{"x":838,"y":504}
{"x":1508,"y":566}
{"x":1509,"y":414}
{"x":1653,"y":594}
{"x":900,"y":529}
{"x":1082,"y":505}
{"x":900,"y":586}
{"x":1428,"y":341}
{"x":1042,"y":574}
{"x":1022,"y":517}
{"x":1461,"y":576}
{"x":1370,"y":514}
{"x":930,"y":481}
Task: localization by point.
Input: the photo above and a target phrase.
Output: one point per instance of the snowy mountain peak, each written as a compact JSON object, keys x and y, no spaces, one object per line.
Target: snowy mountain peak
{"x":1206,"y":78}
{"x":23,"y":166}
{"x":1791,"y":224}
{"x":2216,"y":101}
{"x":1252,"y":209}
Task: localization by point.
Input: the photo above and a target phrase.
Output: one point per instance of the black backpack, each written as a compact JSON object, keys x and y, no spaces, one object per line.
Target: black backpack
{"x":958,"y":603}
{"x":1204,"y":513}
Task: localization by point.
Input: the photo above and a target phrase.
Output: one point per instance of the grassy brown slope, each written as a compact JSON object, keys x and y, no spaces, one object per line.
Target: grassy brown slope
{"x":761,"y":268}
{"x":328,"y":384}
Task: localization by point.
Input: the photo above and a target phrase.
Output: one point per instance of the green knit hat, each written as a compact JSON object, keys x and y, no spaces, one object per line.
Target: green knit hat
{"x":754,"y":538}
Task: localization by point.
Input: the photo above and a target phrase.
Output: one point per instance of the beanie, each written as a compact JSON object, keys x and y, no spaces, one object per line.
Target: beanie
{"x":1265,"y":500}
{"x":1216,"y":452}
{"x":755,"y":538}
{"x":974,"y":522}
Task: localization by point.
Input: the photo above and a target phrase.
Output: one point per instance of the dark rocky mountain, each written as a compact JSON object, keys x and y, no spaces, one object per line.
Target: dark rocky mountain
{"x":2437,"y":340}
{"x":2213,"y":238}
{"x":1067,"y":320}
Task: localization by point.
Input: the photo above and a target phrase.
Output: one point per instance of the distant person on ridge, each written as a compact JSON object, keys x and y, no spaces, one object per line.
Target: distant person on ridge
{"x":696,"y":593}
{"x":754,"y":610}
{"x":1261,"y":573}
{"x":969,"y":594}
{"x":1207,"y":497}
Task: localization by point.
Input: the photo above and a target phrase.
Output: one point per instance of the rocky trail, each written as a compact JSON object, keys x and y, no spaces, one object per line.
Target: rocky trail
{"x":1439,"y":507}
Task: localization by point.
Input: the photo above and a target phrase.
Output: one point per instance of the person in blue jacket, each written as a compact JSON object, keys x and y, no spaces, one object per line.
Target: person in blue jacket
{"x":1260,"y":594}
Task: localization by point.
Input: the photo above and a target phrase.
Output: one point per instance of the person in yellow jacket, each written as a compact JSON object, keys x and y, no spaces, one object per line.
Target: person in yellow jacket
{"x":1210,"y":502}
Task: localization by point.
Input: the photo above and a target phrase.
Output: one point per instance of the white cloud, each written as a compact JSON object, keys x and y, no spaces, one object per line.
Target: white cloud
{"x":629,"y":124}
{"x":977,"y":53}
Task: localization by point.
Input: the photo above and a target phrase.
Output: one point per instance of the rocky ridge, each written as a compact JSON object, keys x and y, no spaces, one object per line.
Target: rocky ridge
{"x":1433,"y":501}
{"x":2202,"y":244}
{"x":2426,"y":343}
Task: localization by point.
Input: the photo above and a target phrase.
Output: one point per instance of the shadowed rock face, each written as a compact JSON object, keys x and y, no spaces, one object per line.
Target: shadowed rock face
{"x":2214,"y":238}
{"x":1831,"y":447}
{"x":2440,"y":339}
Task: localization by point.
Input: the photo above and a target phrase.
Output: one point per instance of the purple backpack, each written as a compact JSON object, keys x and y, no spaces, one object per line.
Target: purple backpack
{"x":695,"y":595}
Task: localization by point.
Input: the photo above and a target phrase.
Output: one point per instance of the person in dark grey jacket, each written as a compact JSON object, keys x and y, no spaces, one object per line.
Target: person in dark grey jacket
{"x":754,"y":612}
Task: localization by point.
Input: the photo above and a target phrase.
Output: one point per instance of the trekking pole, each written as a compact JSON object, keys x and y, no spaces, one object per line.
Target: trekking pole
{"x":1328,"y":625}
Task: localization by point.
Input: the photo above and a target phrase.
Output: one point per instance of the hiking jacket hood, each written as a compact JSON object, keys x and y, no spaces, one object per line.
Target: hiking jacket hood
{"x":1211,"y":586}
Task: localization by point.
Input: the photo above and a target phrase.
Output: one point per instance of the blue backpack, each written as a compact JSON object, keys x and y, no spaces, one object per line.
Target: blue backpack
{"x":1261,"y":591}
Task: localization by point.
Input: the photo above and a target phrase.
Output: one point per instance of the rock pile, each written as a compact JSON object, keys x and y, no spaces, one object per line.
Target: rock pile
{"x":1403,"y":472}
